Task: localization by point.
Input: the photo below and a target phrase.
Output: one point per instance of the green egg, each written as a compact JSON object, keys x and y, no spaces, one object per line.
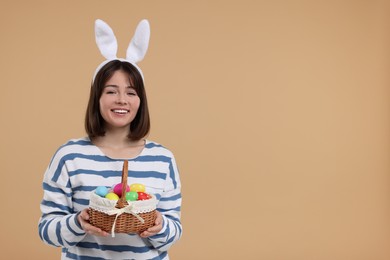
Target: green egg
{"x":131,"y":196}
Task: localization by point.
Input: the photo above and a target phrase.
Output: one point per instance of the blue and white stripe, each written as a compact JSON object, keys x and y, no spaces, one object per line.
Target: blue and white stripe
{"x":76,"y":169}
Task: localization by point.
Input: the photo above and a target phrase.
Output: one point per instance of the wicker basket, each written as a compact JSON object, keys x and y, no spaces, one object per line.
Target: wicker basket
{"x":120,"y":216}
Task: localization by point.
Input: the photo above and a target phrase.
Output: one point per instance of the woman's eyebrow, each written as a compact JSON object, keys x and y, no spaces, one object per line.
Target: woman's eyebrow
{"x":116,"y":86}
{"x":112,"y":86}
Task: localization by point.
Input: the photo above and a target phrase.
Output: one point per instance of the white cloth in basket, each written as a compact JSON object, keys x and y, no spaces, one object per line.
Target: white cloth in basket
{"x":106,"y":206}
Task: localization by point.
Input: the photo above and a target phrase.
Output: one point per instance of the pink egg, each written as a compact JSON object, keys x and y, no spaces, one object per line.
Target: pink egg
{"x":118,"y":189}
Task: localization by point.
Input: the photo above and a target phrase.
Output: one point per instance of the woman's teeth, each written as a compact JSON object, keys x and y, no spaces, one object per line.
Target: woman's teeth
{"x":120,"y":111}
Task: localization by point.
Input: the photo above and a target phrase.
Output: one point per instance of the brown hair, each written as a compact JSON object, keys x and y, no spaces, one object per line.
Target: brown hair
{"x":94,"y":122}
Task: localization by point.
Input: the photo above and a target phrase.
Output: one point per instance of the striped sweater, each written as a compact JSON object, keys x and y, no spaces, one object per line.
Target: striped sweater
{"x":76,"y":169}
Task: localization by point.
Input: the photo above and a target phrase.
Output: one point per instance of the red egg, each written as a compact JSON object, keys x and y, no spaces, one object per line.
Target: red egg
{"x":143,"y":196}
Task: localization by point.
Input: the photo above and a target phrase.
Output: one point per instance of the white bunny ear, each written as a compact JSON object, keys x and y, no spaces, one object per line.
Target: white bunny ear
{"x":140,"y":42}
{"x":105,"y":39}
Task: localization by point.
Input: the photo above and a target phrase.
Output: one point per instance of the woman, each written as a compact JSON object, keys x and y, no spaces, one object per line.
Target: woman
{"x":117,"y":122}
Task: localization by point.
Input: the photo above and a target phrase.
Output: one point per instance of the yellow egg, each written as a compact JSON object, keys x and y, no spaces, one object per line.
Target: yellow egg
{"x":137,"y":187}
{"x":112,"y":196}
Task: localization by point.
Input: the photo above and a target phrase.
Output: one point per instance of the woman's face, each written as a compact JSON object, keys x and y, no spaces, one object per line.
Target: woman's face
{"x":119,"y":101}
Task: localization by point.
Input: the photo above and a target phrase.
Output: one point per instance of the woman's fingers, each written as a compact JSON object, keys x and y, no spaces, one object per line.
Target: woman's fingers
{"x":83,"y":218}
{"x":94,"y":230}
{"x":84,"y":215}
{"x":155,"y":229}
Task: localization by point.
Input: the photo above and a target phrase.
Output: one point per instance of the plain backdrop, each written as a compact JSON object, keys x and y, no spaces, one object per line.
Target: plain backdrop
{"x":278,"y":113}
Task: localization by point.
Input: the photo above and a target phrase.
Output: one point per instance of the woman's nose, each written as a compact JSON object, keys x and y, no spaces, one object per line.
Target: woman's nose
{"x":121,"y":99}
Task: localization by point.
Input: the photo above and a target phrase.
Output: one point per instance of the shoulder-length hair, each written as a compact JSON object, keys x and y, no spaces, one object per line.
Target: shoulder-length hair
{"x":94,"y":122}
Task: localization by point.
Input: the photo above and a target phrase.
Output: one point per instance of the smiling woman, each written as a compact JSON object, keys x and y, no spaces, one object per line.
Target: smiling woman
{"x":117,"y":123}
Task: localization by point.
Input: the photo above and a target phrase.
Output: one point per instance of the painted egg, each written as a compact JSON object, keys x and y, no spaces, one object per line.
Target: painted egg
{"x":131,"y":196}
{"x":137,"y":187}
{"x":143,"y":196}
{"x":118,"y":189}
{"x":101,"y":191}
{"x":112,"y":196}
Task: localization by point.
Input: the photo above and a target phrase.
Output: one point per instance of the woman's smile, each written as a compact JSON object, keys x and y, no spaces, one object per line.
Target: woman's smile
{"x":120,"y":111}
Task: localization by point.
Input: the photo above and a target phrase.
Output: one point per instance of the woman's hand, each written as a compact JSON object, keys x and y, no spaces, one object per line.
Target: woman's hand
{"x":83,"y":218}
{"x":155,"y":229}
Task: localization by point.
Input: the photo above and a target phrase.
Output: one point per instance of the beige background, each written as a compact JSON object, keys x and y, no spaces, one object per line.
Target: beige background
{"x":277,"y":111}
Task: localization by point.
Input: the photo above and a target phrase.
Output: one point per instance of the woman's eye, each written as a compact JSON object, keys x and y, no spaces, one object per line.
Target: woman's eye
{"x":131,"y":93}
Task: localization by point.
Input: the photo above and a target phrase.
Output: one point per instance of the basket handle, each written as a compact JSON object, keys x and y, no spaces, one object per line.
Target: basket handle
{"x":122,"y":200}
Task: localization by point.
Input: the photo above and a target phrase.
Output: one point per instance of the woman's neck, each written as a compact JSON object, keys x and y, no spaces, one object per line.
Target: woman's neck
{"x":116,"y":139}
{"x":117,"y":145}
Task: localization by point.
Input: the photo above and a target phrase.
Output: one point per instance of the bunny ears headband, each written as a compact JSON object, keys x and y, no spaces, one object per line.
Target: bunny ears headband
{"x":108,"y":46}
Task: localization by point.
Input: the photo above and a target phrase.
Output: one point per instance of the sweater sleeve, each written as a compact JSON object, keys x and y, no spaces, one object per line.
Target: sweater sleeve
{"x":58,"y":225}
{"x":170,"y":208}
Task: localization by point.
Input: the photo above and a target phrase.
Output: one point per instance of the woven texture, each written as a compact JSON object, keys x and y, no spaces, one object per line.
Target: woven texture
{"x":129,"y":221}
{"x":126,"y":223}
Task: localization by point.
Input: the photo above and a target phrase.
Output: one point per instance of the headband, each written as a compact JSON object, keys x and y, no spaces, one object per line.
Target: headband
{"x":108,"y":46}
